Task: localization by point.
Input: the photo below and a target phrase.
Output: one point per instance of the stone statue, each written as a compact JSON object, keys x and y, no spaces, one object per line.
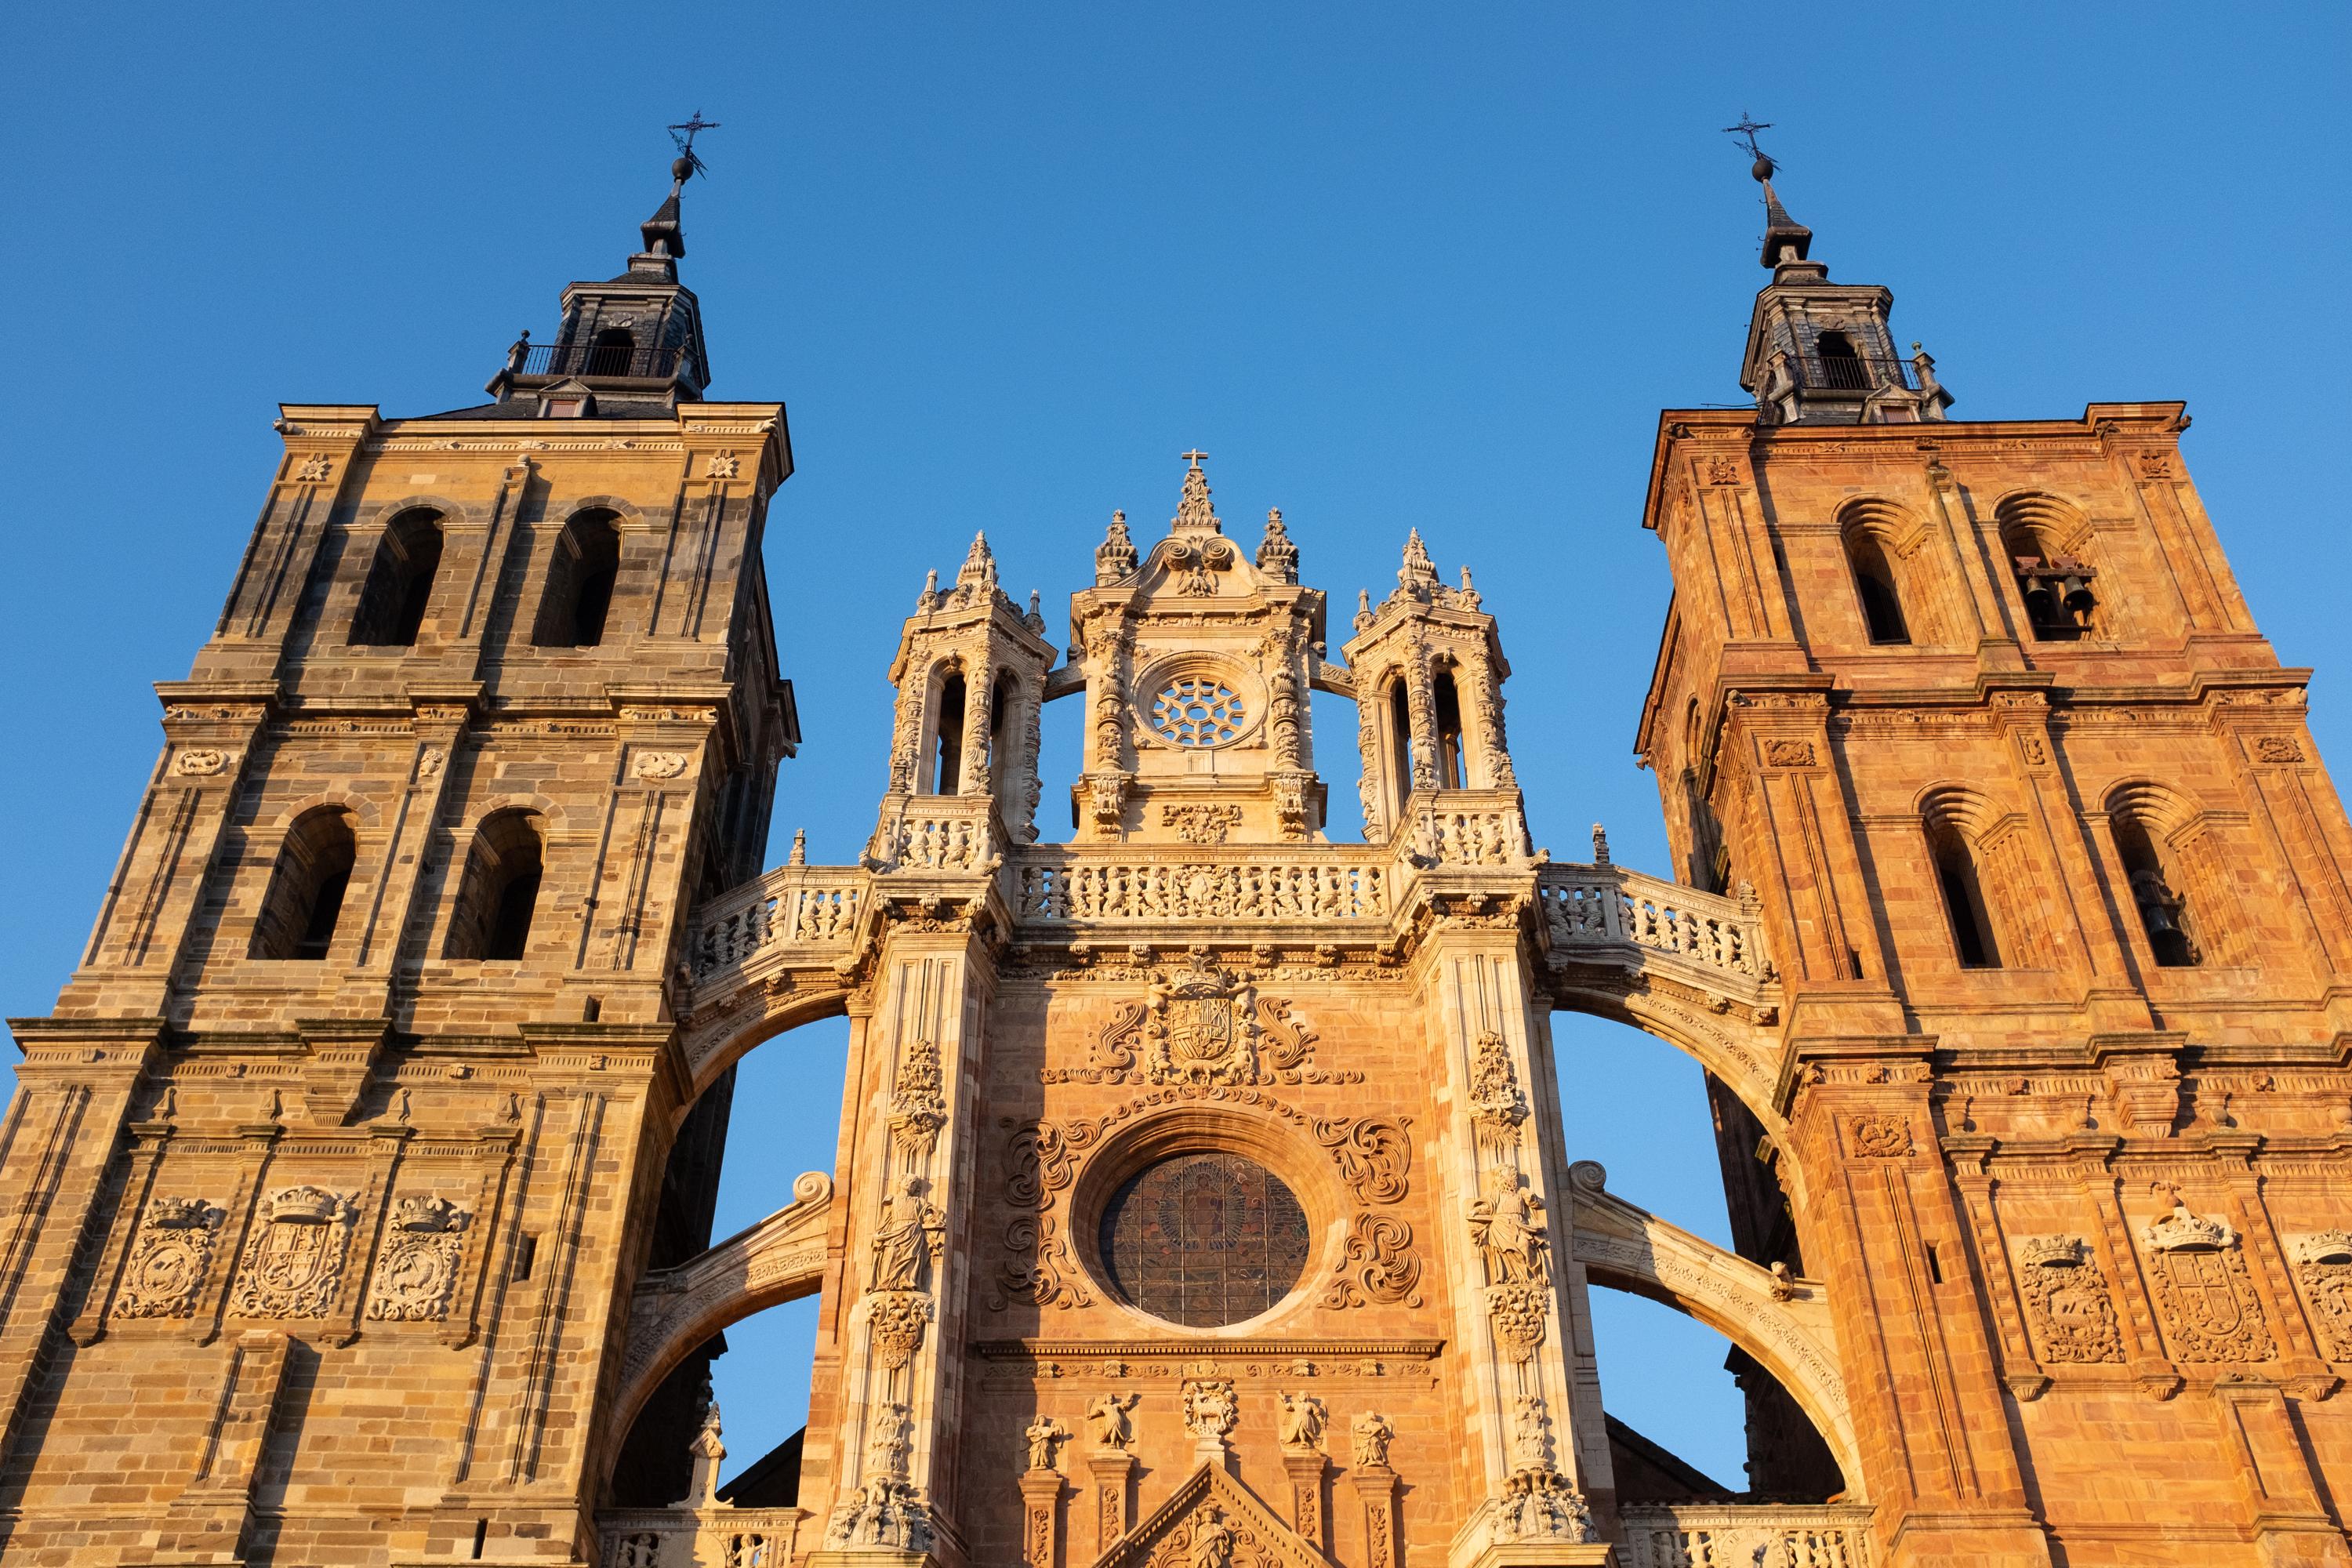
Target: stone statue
{"x":1374,"y":1435}
{"x":1210,"y":1410}
{"x":1213,"y":1539}
{"x":1302,"y":1421}
{"x":1042,"y":1434}
{"x":1113,"y":1428}
{"x":911,"y":1232}
{"x":1508,"y":1227}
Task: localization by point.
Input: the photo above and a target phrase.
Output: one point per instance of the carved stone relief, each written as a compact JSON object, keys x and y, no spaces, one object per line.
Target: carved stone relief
{"x":1498,"y":1105}
{"x":1201,"y":824}
{"x":2067,"y":1300}
{"x":2322,"y":1266}
{"x":170,"y":1258}
{"x":1200,"y":1024}
{"x":2203,"y":1294}
{"x":1377,"y":1265}
{"x":1374,"y":1156}
{"x":1878,"y":1137}
{"x":919,"y":1102}
{"x":294,"y":1262}
{"x":417,"y":1273}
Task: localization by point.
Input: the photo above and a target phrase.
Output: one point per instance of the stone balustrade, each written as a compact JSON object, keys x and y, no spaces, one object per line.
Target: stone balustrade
{"x":935,"y":833}
{"x":1069,"y":885}
{"x":810,"y":907}
{"x":1739,"y":1535}
{"x":1601,"y":907}
{"x":714,"y":1536}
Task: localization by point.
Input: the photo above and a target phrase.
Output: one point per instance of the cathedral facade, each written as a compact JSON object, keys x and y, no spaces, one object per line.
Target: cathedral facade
{"x":1201,"y":1199}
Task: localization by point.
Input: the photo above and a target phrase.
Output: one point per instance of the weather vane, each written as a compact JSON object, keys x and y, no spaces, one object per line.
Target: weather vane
{"x":686,"y":153}
{"x":1745,"y":130}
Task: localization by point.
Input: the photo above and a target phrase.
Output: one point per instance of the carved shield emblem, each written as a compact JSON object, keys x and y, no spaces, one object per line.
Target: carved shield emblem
{"x":2204,"y":1292}
{"x":291,"y":1266}
{"x":1201,"y":1030}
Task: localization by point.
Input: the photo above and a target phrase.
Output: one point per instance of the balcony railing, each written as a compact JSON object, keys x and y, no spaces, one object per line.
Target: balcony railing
{"x":1850,"y":372}
{"x":1594,"y":909}
{"x":598,"y":360}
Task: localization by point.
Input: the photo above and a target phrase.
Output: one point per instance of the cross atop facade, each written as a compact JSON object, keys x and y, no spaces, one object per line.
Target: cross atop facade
{"x":1745,"y":130}
{"x":1193,"y":456}
{"x":686,"y":142}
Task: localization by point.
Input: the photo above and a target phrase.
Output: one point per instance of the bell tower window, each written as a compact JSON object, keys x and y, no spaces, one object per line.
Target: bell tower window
{"x":499,"y":891}
{"x":1964,"y":903}
{"x":1874,"y":585}
{"x":610,"y":351}
{"x":305,"y":901}
{"x":1842,"y":368}
{"x":2163,"y":912}
{"x":948,"y":775}
{"x":1399,"y":741}
{"x":1448,"y":701}
{"x":399,"y":584}
{"x":579,"y":578}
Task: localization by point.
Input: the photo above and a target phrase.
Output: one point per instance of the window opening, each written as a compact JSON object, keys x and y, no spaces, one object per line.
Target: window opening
{"x":399,"y":584}
{"x":499,"y":890}
{"x":610,"y":352}
{"x":950,"y":773}
{"x":1842,"y":368}
{"x":1399,"y":741}
{"x":1204,"y":1239}
{"x":304,"y":898}
{"x":1874,"y":581}
{"x":1956,"y":874}
{"x":1448,"y":703}
{"x":2163,"y":912}
{"x":2060,"y":605}
{"x":580,"y":577}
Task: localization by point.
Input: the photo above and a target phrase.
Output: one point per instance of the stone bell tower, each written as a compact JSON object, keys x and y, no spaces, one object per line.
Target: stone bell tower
{"x":336,"y":1157}
{"x":2058,"y":889}
{"x":1200,"y":1196}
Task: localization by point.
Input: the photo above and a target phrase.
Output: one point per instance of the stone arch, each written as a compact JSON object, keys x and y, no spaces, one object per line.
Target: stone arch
{"x":714,"y":1042}
{"x":780,"y":1258}
{"x":1783,"y":1323}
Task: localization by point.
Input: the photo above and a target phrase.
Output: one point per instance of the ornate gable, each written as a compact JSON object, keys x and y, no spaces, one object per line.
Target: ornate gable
{"x":1212,"y":1521}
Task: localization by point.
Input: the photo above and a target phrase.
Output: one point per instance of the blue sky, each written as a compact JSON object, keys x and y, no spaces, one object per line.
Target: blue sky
{"x":1392,"y":266}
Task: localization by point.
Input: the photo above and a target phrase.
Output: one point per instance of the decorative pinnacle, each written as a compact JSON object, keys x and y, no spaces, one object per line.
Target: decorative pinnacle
{"x":1195,"y":511}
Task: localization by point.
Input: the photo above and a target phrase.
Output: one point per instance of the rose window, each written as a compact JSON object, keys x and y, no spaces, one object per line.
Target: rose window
{"x":1197,"y":710}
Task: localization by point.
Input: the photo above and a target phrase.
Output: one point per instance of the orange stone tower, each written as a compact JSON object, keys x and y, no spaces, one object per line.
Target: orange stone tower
{"x":2057,"y":1106}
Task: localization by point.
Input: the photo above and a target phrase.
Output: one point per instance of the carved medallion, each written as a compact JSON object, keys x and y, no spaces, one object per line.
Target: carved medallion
{"x":2067,"y":1299}
{"x":2203,"y":1293}
{"x":417,"y":1273}
{"x":2322,"y":1266}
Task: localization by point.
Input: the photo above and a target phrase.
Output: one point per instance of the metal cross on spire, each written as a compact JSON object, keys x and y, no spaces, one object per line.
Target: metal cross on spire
{"x":687,"y":154}
{"x":1745,"y":130}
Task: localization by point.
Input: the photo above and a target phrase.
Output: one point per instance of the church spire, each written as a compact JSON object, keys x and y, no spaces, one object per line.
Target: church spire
{"x":1820,"y":352}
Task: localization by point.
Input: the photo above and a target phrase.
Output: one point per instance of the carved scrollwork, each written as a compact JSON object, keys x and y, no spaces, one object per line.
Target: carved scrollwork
{"x":1374,"y":1156}
{"x":1378,"y":1265}
{"x":1041,"y":1159}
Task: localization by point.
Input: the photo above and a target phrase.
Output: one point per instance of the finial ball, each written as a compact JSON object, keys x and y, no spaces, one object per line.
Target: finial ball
{"x":1763,"y":168}
{"x":680,"y":168}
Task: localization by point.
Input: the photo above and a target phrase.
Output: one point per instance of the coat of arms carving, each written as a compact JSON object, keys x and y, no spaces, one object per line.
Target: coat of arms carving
{"x":2066,"y":1296}
{"x":2322,"y":1265}
{"x":2202,"y":1291}
{"x":416,"y":1274}
{"x":169,"y":1261}
{"x":295,"y":1260}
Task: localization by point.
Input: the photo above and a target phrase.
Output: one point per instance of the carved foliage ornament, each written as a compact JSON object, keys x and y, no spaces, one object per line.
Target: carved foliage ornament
{"x":2203,"y":1293}
{"x":1878,"y":1137}
{"x":2067,"y":1297}
{"x":1377,"y":1264}
{"x":294,"y":1262}
{"x":919,"y":1102}
{"x":1200,"y":823}
{"x":169,"y":1258}
{"x":417,"y":1273}
{"x":1041,"y":1159}
{"x":1374,"y":1156}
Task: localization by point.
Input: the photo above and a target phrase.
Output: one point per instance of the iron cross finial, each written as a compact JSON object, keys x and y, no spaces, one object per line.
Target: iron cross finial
{"x":1745,"y":130}
{"x":686,"y":143}
{"x":1193,"y":456}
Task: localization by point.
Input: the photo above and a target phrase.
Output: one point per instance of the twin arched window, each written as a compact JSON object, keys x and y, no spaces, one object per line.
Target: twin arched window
{"x":399,"y":582}
{"x":499,"y":890}
{"x":305,"y":901}
{"x":579,"y":594}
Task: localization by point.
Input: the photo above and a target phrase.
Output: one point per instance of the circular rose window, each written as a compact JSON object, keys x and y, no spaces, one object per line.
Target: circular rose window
{"x":1197,"y":710}
{"x":1204,"y":1240}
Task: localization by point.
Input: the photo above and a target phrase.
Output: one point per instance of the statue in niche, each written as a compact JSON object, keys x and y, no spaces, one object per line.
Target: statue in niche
{"x":910,"y":1233}
{"x":1114,"y":1428}
{"x":1508,"y":1227}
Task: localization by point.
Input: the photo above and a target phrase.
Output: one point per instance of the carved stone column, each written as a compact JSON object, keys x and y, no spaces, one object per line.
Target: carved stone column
{"x":1376,"y":1490}
{"x":1539,"y":1441}
{"x":896,"y":1400}
{"x":1305,"y":1470}
{"x":1040,"y":1517}
{"x":1113,"y":1471}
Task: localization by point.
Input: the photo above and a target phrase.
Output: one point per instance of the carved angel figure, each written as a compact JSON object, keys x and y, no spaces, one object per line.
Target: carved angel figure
{"x":1508,"y":1227}
{"x":1112,"y":1427}
{"x":910,"y":1233}
{"x":1042,"y":1434}
{"x":1374,"y":1435}
{"x":1302,"y":1421}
